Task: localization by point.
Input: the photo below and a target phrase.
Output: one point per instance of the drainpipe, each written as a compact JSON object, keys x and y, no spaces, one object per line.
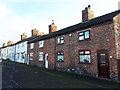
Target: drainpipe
{"x":55,"y":53}
{"x":15,"y":54}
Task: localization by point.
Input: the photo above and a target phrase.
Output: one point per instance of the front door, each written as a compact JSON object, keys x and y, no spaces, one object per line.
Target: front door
{"x":103,"y":64}
{"x":46,"y":60}
{"x":28,"y":60}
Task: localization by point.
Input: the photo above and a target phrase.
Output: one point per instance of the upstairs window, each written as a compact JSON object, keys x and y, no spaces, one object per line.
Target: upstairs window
{"x":41,"y":43}
{"x":40,"y":56}
{"x":84,"y":35}
{"x":84,"y":56}
{"x":18,"y":46}
{"x":31,"y":56}
{"x":60,"y":40}
{"x":31,"y":45}
{"x":60,"y":56}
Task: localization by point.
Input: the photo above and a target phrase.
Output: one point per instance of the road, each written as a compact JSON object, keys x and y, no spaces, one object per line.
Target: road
{"x":26,"y":76}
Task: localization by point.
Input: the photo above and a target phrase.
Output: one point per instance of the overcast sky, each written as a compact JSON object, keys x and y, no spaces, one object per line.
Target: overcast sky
{"x":21,"y":16}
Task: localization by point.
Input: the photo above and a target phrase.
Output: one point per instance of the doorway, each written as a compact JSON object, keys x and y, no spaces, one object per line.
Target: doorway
{"x":103,"y":64}
{"x":46,"y":60}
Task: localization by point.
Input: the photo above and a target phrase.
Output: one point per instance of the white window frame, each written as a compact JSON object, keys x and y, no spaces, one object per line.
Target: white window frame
{"x":41,"y":43}
{"x":60,"y":40}
{"x":82,"y":35}
{"x":31,"y":45}
{"x":60,"y":54}
{"x":40,"y":55}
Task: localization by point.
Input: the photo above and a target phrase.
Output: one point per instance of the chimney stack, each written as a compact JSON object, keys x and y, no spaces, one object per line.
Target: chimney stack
{"x":23,"y":36}
{"x":35,"y":32}
{"x":52,"y":27}
{"x":3,"y":44}
{"x":9,"y":43}
{"x":41,"y":34}
{"x":87,"y":14}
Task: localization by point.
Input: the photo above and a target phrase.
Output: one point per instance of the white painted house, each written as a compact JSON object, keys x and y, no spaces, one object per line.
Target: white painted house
{"x":18,"y":52}
{"x":11,"y":52}
{"x":21,"y":49}
{"x":4,"y":54}
{"x":21,"y":52}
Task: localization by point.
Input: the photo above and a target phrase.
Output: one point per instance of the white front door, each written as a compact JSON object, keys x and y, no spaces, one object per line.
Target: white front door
{"x":46,"y":60}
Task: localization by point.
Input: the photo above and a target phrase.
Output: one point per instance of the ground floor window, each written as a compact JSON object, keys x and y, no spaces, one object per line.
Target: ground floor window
{"x":31,"y":56}
{"x":22,"y":55}
{"x":18,"y":55}
{"x":40,"y":56}
{"x":84,"y":56}
{"x":60,"y":56}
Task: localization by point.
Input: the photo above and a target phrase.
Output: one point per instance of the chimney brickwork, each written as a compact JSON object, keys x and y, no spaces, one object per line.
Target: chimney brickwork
{"x":23,"y":36}
{"x":35,"y":32}
{"x":52,"y":28}
{"x":87,"y":14}
{"x":9,"y":43}
{"x":3,"y":44}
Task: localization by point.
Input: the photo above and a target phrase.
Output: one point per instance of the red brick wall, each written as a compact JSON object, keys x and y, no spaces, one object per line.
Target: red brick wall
{"x":47,"y":48}
{"x":101,"y":37}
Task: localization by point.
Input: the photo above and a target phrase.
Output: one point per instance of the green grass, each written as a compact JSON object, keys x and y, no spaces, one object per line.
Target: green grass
{"x":25,"y":75}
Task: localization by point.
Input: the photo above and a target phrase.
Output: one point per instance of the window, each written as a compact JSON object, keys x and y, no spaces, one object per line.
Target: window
{"x":40,"y":56}
{"x":84,"y":56}
{"x":31,"y":45}
{"x":41,"y":44}
{"x":84,"y":35}
{"x":18,"y":56}
{"x":23,"y":44}
{"x":18,"y":45}
{"x":22,"y":55}
{"x":60,"y":56}
{"x":60,"y":40}
{"x":12,"y":55}
{"x":31,"y":56}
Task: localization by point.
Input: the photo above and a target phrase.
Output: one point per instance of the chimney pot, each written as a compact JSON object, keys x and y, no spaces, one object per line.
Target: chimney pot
{"x":52,"y":27}
{"x":86,"y":8}
{"x":89,"y":6}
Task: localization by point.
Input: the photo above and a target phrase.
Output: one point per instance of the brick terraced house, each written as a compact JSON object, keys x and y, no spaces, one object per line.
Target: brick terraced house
{"x":91,"y":47}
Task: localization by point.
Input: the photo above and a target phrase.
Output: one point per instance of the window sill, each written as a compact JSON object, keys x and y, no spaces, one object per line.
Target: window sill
{"x":84,"y":40}
{"x":40,"y":60}
{"x":31,"y":48}
{"x":84,"y":63}
{"x":60,"y":43}
{"x":60,"y":61}
{"x":40,"y":47}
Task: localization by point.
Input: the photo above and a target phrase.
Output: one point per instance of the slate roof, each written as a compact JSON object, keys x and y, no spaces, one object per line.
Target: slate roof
{"x":94,"y":21}
{"x":27,"y":39}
